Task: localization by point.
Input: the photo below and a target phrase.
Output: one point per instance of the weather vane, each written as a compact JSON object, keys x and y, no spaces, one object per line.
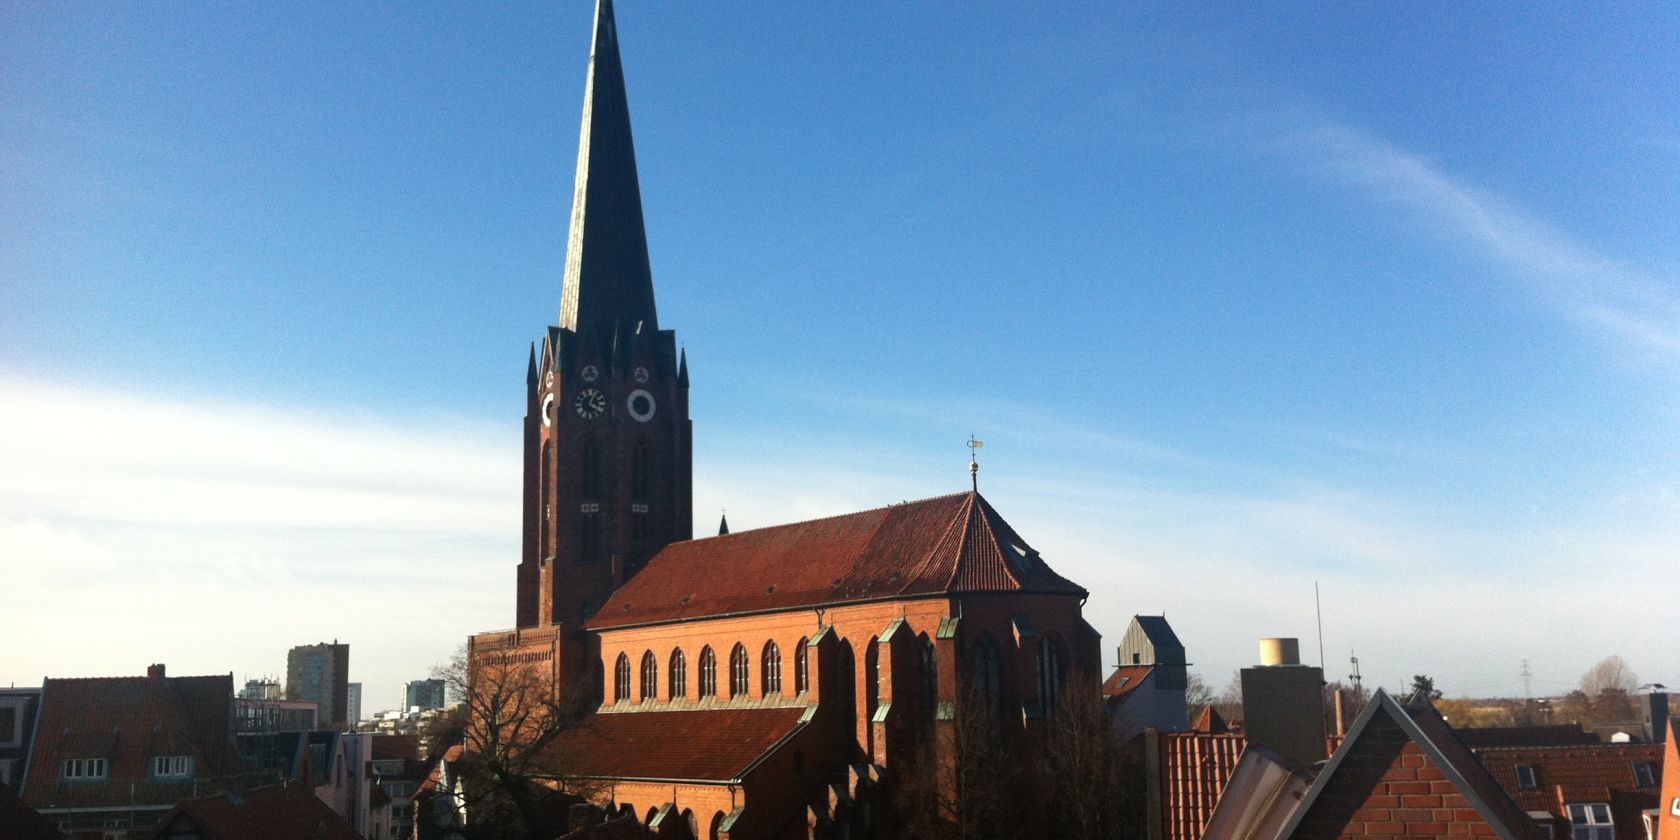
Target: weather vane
{"x":974,"y":463}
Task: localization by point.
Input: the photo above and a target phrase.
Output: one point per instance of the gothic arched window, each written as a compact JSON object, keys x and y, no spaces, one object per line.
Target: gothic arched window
{"x":708,"y":672}
{"x":1051,"y":673}
{"x":771,"y":680}
{"x":641,"y":473}
{"x":589,"y":542}
{"x":988,"y":672}
{"x":738,"y":673}
{"x":650,"y":676}
{"x":679,"y":675}
{"x":621,"y":679}
{"x":801,"y":668}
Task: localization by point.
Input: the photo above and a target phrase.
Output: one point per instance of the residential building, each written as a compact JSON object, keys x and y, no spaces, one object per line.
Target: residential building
{"x":398,"y":773}
{"x":113,"y":754}
{"x":1147,"y":687}
{"x":321,"y":673}
{"x":808,"y":667}
{"x":277,"y":811}
{"x":263,"y":689}
{"x":1664,"y":824}
{"x":18,"y":708}
{"x":1595,"y":791}
{"x":421,"y":695}
{"x":353,"y":704}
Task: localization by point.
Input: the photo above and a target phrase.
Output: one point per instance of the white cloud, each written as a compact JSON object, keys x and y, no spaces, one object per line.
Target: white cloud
{"x":1639,"y":309}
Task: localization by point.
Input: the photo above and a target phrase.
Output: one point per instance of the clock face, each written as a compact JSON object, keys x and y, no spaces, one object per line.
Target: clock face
{"x":590,"y":403}
{"x":548,"y":379}
{"x":640,"y":405}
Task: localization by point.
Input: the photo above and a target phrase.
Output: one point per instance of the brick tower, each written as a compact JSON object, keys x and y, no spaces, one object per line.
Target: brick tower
{"x":608,"y":463}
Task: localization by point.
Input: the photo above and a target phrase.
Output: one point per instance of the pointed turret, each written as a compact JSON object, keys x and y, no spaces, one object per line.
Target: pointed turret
{"x":531,"y":367}
{"x":608,"y":282}
{"x":723,"y":526}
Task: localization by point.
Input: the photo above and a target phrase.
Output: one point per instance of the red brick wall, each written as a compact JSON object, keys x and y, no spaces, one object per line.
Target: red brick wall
{"x":1388,"y":787}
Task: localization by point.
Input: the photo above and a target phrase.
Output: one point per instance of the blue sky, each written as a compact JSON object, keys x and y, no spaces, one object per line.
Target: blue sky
{"x":1240,"y":298}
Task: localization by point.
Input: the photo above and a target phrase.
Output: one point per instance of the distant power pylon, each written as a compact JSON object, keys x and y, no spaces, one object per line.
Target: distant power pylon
{"x":1354,"y":677}
{"x":1528,"y":681}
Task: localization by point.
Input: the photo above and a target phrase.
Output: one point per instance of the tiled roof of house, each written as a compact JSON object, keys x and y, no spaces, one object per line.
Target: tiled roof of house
{"x":127,"y":721}
{"x":1195,"y":767}
{"x":1554,"y":735}
{"x":713,"y":745}
{"x":946,"y":544}
{"x":1581,"y":774}
{"x":1210,"y":721}
{"x":277,"y":812}
{"x":1125,"y":680}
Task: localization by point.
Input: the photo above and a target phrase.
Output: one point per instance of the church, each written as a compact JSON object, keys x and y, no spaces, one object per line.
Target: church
{"x":772,"y":683}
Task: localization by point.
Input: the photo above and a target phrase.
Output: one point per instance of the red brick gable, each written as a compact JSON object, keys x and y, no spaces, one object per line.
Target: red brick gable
{"x":942,"y":545}
{"x":1401,"y":772}
{"x":127,"y":721}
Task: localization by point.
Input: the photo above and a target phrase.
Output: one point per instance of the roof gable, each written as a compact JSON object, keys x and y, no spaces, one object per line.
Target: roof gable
{"x":1374,"y":754}
{"x":948,"y":544}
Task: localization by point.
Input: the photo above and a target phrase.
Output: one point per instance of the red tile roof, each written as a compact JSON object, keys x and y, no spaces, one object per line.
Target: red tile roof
{"x":127,"y":721}
{"x":942,"y":545}
{"x":397,"y":746}
{"x":1555,"y":735}
{"x":1212,"y":722}
{"x":714,"y":745}
{"x":1581,"y":774}
{"x":1125,"y":680}
{"x":278,"y":812}
{"x":1195,"y":767}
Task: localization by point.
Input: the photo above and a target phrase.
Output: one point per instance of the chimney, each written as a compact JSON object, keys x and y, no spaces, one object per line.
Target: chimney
{"x":154,"y":671}
{"x":1655,"y":712}
{"x":1283,"y":703}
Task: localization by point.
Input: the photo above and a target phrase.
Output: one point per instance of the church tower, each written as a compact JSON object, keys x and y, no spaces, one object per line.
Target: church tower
{"x":608,"y":463}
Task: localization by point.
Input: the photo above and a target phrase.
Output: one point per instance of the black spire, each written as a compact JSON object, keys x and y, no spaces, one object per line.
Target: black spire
{"x":608,"y":282}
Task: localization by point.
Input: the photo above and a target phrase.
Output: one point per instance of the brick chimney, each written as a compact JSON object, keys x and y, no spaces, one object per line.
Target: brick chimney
{"x":154,"y":671}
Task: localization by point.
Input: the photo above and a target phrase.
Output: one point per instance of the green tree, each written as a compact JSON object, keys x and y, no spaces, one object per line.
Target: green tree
{"x":1424,"y":686}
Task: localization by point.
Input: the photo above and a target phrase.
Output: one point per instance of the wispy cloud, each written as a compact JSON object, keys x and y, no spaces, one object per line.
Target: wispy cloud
{"x":1638,"y":308}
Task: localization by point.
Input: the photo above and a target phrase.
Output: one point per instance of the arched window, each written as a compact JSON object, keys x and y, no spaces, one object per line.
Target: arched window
{"x":846,"y":670}
{"x":988,"y":672}
{"x":738,"y":673}
{"x":650,"y":676}
{"x":771,"y":679}
{"x":801,"y":668}
{"x":930,"y":679}
{"x":679,"y":675}
{"x":708,"y":672}
{"x":1050,"y":674}
{"x":589,"y":542}
{"x":621,"y":679}
{"x":590,"y":473}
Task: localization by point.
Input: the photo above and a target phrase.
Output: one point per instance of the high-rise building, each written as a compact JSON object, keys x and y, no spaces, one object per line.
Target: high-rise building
{"x":423,"y":694}
{"x":320,"y":672}
{"x":353,"y":702}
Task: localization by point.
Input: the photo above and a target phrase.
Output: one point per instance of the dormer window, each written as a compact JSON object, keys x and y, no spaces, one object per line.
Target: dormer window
{"x":1527,"y":778}
{"x":1643,"y":776}
{"x":172,"y":766}
{"x":84,"y":769}
{"x":1591,"y":821}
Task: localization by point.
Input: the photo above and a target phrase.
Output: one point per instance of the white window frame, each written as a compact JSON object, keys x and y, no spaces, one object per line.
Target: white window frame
{"x":1584,"y":819}
{"x":172,"y":766}
{"x":84,"y":769}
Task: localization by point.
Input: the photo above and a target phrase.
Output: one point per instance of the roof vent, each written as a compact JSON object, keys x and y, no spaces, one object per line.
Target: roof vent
{"x":1280,"y":652}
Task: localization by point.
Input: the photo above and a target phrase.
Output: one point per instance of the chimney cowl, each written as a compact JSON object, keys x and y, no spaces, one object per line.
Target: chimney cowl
{"x":155,"y":671}
{"x":1280,"y":651}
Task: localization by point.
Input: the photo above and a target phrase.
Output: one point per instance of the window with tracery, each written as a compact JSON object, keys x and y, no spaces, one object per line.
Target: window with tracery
{"x":988,"y":672}
{"x":1051,"y":674}
{"x":738,"y":671}
{"x":621,"y":679}
{"x":650,"y":676}
{"x":930,"y":679}
{"x":772,"y":665}
{"x":708,"y":673}
{"x":801,"y":664}
{"x":679,"y":675}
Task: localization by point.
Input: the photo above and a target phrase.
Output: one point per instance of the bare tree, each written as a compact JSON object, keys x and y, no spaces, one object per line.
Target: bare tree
{"x":1610,"y":674}
{"x":1230,"y":702}
{"x":1084,"y":772}
{"x":513,"y":758}
{"x":1197,"y":693}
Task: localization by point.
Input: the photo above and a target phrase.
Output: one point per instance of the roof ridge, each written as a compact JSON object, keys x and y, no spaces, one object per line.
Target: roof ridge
{"x":818,"y":519}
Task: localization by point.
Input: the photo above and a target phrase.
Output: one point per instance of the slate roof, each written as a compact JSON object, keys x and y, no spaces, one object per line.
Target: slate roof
{"x":1160,"y":633}
{"x":947,"y":544}
{"x":277,"y":812}
{"x":713,"y":745}
{"x":1125,"y":680}
{"x":127,"y":720}
{"x":1581,"y":774}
